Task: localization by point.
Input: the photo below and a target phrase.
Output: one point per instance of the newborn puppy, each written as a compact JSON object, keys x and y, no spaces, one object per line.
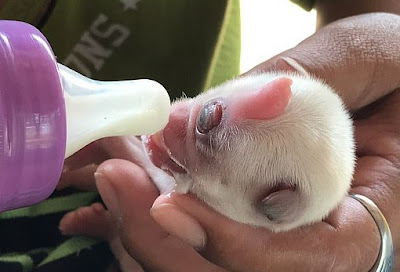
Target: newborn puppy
{"x":274,"y":150}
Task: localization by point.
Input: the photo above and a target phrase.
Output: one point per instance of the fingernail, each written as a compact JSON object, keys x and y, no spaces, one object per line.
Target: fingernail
{"x":289,"y":64}
{"x":62,"y":229}
{"x":180,"y":224}
{"x":161,"y":200}
{"x":106,"y":191}
{"x":284,"y":64}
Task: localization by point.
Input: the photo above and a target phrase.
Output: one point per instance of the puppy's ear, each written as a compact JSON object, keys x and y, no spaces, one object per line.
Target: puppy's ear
{"x":282,"y":206}
{"x":290,"y":65}
{"x":267,"y":102}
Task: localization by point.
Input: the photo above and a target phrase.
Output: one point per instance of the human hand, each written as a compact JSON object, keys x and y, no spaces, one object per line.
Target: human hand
{"x":359,"y":58}
{"x":79,"y":169}
{"x":329,"y":11}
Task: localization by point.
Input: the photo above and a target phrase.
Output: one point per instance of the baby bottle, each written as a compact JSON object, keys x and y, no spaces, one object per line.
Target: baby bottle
{"x":48,"y":112}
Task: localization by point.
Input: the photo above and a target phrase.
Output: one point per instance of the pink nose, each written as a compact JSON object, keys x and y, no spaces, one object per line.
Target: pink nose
{"x":175,"y":133}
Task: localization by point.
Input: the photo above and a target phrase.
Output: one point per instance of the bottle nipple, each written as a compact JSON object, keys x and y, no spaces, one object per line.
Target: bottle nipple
{"x":98,"y":109}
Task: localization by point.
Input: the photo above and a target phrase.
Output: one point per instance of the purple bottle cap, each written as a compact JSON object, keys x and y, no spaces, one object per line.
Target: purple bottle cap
{"x":32,"y":117}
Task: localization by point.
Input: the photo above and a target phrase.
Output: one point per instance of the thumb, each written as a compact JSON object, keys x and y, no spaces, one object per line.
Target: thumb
{"x":128,"y":193}
{"x":357,"y":56}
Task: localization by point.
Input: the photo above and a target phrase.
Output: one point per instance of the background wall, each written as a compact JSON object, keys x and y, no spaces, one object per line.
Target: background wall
{"x":270,"y":27}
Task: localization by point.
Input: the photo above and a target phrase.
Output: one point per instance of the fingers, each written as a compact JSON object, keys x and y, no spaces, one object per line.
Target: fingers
{"x":329,"y":11}
{"x":180,"y":224}
{"x":79,"y":169}
{"x":358,"y":56}
{"x":378,"y":165}
{"x":93,"y":221}
{"x":127,"y":148}
{"x":80,"y":178}
{"x":378,"y":128}
{"x":349,"y":242}
{"x":90,"y":154}
{"x":129,"y":194}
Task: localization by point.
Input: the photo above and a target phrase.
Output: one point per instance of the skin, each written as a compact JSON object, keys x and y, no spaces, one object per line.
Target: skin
{"x":329,"y":11}
{"x":359,"y":57}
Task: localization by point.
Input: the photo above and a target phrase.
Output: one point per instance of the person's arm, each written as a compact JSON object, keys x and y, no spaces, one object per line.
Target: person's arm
{"x":349,"y":55}
{"x":332,"y":10}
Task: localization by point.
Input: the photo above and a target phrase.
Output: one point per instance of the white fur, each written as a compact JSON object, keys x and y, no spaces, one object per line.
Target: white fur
{"x":310,"y":144}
